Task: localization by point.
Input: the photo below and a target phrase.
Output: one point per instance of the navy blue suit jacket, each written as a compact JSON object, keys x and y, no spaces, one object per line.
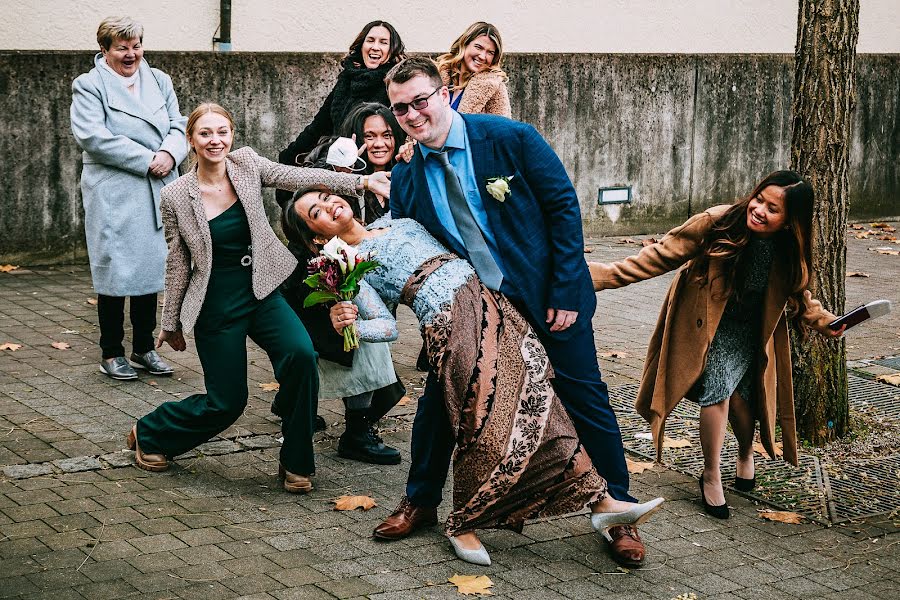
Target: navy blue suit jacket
{"x":538,"y":227}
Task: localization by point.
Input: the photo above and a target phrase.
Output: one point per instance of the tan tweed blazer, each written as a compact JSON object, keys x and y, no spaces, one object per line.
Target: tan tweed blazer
{"x":485,"y":93}
{"x":189,"y":261}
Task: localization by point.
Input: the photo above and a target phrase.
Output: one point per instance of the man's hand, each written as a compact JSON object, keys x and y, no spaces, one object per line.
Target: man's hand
{"x":380,"y":183}
{"x":343,"y":314}
{"x":175,"y":339}
{"x":561,"y":319}
{"x":162,"y":164}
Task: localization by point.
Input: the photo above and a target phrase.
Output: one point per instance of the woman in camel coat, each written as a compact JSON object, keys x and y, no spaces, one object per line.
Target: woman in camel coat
{"x":471,"y":71}
{"x":722,"y":336}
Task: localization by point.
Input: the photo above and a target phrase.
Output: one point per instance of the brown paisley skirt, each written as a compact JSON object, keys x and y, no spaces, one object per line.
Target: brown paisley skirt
{"x":517,"y":454}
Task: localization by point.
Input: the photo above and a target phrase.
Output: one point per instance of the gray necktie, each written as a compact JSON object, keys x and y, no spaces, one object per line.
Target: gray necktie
{"x":472,"y":237}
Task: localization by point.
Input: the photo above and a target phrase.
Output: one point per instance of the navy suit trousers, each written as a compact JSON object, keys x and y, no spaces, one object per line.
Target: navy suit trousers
{"x":581,"y":389}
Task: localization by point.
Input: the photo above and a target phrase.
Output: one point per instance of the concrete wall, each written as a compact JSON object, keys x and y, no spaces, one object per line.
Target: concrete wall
{"x":556,"y":26}
{"x":684,"y":131}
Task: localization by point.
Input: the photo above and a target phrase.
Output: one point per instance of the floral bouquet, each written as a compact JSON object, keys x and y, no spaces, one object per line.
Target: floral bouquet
{"x":335,"y":275}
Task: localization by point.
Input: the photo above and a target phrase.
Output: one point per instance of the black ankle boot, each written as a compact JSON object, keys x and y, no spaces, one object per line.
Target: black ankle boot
{"x":360,"y":442}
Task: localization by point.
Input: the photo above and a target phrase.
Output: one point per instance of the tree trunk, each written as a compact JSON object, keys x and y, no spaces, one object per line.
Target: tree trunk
{"x":824,"y":79}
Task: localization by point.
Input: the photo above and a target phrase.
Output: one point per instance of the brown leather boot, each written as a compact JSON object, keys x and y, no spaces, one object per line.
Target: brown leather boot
{"x":293,"y":483}
{"x":627,"y":549}
{"x":406,"y":519}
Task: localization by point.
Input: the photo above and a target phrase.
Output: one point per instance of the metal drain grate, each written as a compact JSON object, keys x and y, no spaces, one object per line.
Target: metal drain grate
{"x":891,"y":362}
{"x":868,"y":394}
{"x":833,"y":493}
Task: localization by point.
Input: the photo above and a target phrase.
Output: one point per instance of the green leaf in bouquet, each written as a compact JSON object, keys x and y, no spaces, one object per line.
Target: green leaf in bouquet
{"x":320,"y":297}
{"x":351,"y":283}
{"x":313,"y":280}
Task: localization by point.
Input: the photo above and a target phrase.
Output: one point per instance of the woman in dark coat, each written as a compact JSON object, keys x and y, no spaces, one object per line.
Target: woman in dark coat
{"x":375,"y":50}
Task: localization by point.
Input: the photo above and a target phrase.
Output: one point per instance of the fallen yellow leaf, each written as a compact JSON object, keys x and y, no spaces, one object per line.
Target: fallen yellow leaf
{"x":10,"y":346}
{"x":781,"y":516}
{"x":60,"y":345}
{"x":879,"y":225}
{"x":8,"y":268}
{"x":469,"y":585}
{"x":354,"y":502}
{"x":856,"y":226}
{"x":856,"y":274}
{"x":403,"y":401}
{"x":614,"y":354}
{"x":676,"y":443}
{"x":893,"y":379}
{"x":888,"y":252}
{"x":270,"y":387}
{"x":637,"y":467}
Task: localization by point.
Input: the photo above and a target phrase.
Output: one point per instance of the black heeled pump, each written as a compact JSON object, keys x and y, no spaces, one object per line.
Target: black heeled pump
{"x":719,"y":511}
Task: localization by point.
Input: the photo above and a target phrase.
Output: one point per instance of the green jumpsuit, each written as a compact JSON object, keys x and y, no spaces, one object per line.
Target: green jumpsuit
{"x":230,"y":313}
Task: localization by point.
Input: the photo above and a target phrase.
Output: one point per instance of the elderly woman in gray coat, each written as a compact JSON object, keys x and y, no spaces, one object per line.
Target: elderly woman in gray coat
{"x":125,"y":118}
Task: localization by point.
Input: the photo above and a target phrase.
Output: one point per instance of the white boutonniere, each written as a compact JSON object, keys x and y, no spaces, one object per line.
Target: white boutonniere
{"x":498,"y":187}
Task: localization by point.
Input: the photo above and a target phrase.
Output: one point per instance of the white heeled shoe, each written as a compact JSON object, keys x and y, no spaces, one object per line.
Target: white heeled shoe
{"x":479,"y":556}
{"x":602,"y":522}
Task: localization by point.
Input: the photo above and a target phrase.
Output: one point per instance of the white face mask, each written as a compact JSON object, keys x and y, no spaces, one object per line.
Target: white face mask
{"x":344,"y":153}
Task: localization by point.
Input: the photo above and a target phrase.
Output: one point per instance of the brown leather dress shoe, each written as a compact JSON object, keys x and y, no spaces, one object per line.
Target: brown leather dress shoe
{"x":148,"y":462}
{"x":293,"y":483}
{"x":407,"y":518}
{"x":627,"y":549}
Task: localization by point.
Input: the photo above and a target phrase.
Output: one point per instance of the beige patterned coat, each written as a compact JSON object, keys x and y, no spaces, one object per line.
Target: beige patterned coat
{"x":189,"y":261}
{"x":688,"y":321}
{"x":485,"y":93}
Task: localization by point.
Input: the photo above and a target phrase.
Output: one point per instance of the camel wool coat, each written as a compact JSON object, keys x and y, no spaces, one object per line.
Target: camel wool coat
{"x":485,"y":93}
{"x":189,"y":261}
{"x":688,"y":320}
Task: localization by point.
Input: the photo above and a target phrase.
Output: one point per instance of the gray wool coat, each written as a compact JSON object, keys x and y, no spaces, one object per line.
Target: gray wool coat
{"x":119,"y":135}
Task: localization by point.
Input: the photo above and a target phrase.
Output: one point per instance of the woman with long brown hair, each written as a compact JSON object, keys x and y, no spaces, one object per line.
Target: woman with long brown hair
{"x":721,"y":339}
{"x":471,"y":71}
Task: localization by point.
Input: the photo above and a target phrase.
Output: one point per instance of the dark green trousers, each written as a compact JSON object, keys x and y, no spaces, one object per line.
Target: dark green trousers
{"x":221,"y":334}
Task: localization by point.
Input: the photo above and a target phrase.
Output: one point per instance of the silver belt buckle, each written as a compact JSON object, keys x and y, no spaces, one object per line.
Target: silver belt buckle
{"x":247,"y":259}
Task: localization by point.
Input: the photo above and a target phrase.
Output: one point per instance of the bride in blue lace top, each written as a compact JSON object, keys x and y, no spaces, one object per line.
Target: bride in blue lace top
{"x":517,"y":456}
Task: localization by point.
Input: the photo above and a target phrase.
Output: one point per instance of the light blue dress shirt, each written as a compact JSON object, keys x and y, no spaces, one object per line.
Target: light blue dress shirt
{"x":460,"y":154}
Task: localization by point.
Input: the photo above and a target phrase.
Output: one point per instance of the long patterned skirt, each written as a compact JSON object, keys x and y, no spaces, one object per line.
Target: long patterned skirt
{"x":517,"y":453}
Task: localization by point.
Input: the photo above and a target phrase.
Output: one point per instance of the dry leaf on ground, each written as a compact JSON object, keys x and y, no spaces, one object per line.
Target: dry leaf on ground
{"x":857,"y":274}
{"x":627,"y":241}
{"x":8,"y":268}
{"x":60,"y":345}
{"x":856,"y":226}
{"x":863,"y":235}
{"x":469,"y":585}
{"x":92,"y":301}
{"x":887,"y":238}
{"x":354,"y":502}
{"x":648,"y":242}
{"x":588,"y":249}
{"x":403,"y":401}
{"x":10,"y":346}
{"x":676,"y":443}
{"x":781,"y":516}
{"x":879,"y":225}
{"x":892,"y":379}
{"x":272,"y":386}
{"x":614,"y":354}
{"x":888,"y":251}
{"x":636,"y":467}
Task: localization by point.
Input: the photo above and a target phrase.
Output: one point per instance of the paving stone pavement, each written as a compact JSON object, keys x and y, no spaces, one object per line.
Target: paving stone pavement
{"x":78,"y":521}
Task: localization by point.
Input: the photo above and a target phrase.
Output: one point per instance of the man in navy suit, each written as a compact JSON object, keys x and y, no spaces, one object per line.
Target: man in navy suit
{"x":534,"y":236}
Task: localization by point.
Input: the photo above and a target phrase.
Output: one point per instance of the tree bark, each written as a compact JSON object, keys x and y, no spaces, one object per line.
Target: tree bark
{"x":824,"y":80}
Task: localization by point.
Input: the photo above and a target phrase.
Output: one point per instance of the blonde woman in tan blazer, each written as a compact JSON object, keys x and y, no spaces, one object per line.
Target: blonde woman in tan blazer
{"x":223,"y":270}
{"x":722,"y":339}
{"x":471,"y":71}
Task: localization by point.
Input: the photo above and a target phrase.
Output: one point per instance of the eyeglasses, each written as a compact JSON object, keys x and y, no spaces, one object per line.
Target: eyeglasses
{"x":401,"y":108}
